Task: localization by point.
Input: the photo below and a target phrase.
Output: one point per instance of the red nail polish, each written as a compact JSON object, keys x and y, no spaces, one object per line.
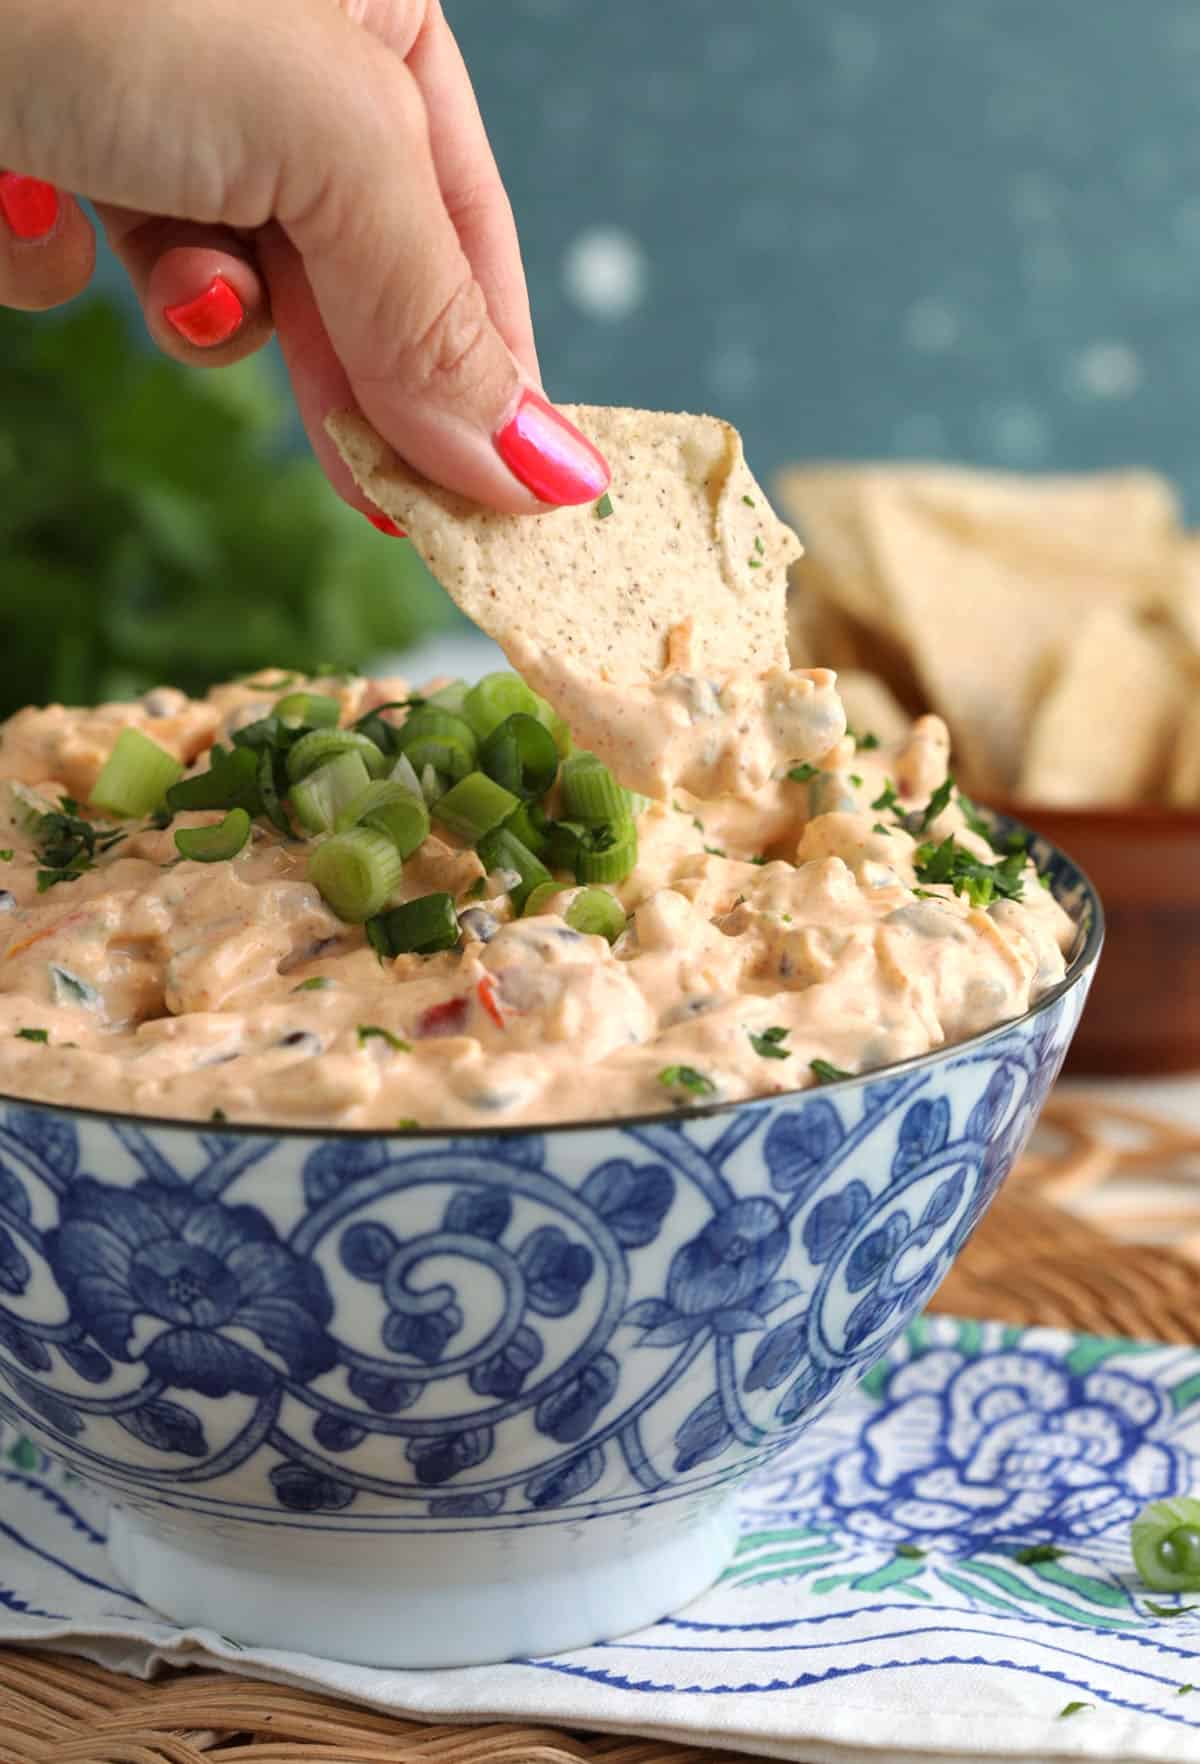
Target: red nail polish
{"x":209,"y":319}
{"x":549,"y":455}
{"x":30,"y":207}
{"x":386,"y":525}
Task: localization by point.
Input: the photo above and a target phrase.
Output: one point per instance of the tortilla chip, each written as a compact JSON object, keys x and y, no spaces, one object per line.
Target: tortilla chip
{"x":1103,"y":733}
{"x":872,"y":708}
{"x":690,"y":535}
{"x":983,"y":578}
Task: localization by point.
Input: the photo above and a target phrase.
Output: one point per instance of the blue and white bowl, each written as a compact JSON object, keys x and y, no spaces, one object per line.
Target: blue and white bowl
{"x":441,"y":1399}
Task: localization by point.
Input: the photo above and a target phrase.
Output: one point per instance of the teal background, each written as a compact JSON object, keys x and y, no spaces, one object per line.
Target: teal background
{"x":953,"y":228}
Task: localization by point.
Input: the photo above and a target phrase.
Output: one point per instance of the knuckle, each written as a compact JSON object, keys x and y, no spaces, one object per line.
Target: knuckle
{"x":451,"y":354}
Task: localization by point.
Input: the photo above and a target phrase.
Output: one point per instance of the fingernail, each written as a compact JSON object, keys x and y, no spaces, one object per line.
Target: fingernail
{"x":549,"y":455}
{"x":209,"y":319}
{"x":30,"y":206}
{"x":386,"y":525}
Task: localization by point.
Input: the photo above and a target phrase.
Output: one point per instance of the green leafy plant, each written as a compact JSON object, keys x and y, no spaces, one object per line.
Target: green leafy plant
{"x":155,"y":527}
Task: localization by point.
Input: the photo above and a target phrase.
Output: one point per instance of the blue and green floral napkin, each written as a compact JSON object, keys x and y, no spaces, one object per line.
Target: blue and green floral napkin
{"x":938,"y":1569}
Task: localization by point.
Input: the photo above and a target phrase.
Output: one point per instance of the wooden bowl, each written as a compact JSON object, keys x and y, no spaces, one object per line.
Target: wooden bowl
{"x":1143,"y":1015}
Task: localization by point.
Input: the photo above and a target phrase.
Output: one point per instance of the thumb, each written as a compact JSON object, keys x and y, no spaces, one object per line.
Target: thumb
{"x":360,"y":202}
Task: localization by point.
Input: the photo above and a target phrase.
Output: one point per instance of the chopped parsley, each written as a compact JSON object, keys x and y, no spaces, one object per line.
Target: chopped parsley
{"x":863,"y":743}
{"x":911,"y":1551}
{"x":406,"y":1123}
{"x":888,"y":798}
{"x":802,"y":773}
{"x":218,"y":1115}
{"x":368,"y":1030}
{"x":755,"y":563}
{"x":856,"y":780}
{"x":316,"y":983}
{"x":825,"y":1072}
{"x":604,"y":507}
{"x":949,"y":863}
{"x":756,"y":860}
{"x":686,"y":1078}
{"x":770,"y":1043}
{"x":973,"y":818}
{"x":42,"y":1035}
{"x":1029,"y":1558}
{"x":878,"y":827}
{"x":6,"y":856}
{"x":1074,"y":1708}
{"x":1185,"y":1690}
{"x":67,"y":845}
{"x":758,"y":545}
{"x":937,"y":802}
{"x":749,"y":501}
{"x":714,"y":851}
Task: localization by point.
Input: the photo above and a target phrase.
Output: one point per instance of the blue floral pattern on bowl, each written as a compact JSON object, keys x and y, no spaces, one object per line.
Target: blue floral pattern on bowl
{"x":474,"y":1330}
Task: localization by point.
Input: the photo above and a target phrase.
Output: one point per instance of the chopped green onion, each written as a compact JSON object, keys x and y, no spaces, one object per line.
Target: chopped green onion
{"x":418,"y":927}
{"x":389,"y":808}
{"x":475,"y":805}
{"x":1165,"y":1541}
{"x":135,"y":777}
{"x":312,"y":750}
{"x":825,"y":1072}
{"x":528,"y":822}
{"x":521,"y":754}
{"x":42,"y":1035}
{"x":231,"y":781}
{"x":494,"y":699}
{"x":375,"y":726}
{"x":501,"y":850}
{"x":70,"y":989}
{"x":539,"y":898}
{"x":373,"y":1031}
{"x":450,"y":697}
{"x":402,"y":772}
{"x":547,"y":714}
{"x":355,"y":872}
{"x":320,"y":798}
{"x":272,"y":786}
{"x":590,"y":792}
{"x":596,"y":913}
{"x":438,"y":738}
{"x":686,"y":1078}
{"x":215,"y":843}
{"x":607,"y":854}
{"x":310,"y":710}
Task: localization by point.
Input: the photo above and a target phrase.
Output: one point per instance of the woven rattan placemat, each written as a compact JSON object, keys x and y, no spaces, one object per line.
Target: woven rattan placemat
{"x":1097,"y":1231}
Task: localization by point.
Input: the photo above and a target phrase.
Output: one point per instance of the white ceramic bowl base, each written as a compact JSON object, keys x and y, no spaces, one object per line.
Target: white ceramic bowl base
{"x":383,"y":1601}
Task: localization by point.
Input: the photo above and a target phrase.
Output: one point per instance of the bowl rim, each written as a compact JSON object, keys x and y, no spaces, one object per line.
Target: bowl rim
{"x":1090,"y":927}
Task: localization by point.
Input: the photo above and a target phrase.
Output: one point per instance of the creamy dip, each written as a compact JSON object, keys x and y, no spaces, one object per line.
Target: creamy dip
{"x":769,"y":930}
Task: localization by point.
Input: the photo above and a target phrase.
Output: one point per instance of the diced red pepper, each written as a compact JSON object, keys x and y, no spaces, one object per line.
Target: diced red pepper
{"x":486,"y":994}
{"x":443,"y":1019}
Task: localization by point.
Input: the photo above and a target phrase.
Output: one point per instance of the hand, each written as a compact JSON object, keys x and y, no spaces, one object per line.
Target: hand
{"x":316,"y":165}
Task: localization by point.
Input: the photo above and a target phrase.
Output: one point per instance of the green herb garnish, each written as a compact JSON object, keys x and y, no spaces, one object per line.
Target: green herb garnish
{"x":218,"y":1115}
{"x":1074,"y":1708}
{"x":911,"y":1551}
{"x":316,"y":983}
{"x":6,"y":856}
{"x":1169,"y":1610}
{"x":686,"y":1078}
{"x":802,"y":773}
{"x":888,"y":798}
{"x":67,"y":844}
{"x":856,"y":780}
{"x":825,"y":1072}
{"x":863,"y":743}
{"x":937,"y":802}
{"x":770,"y":1043}
{"x":42,"y":1035}
{"x":406,"y":1123}
{"x":878,"y":827}
{"x":604,"y":507}
{"x":714,"y":851}
{"x":949,"y":863}
{"x":366,"y":1031}
{"x":758,"y":545}
{"x":749,"y":501}
{"x":1029,"y":1558}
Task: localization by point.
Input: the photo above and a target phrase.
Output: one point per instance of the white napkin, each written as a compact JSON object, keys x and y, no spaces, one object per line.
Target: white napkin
{"x":876,"y":1611}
